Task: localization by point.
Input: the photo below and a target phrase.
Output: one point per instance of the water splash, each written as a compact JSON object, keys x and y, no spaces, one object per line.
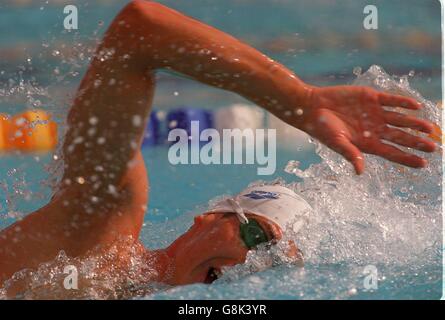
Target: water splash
{"x":391,"y":214}
{"x":389,"y":217}
{"x":99,"y":276}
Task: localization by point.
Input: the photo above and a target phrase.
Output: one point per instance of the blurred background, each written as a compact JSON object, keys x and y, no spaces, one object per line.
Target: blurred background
{"x":321,"y":40}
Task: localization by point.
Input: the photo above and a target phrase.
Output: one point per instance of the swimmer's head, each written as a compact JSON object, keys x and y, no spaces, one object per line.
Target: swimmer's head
{"x":276,"y":203}
{"x":223,"y":236}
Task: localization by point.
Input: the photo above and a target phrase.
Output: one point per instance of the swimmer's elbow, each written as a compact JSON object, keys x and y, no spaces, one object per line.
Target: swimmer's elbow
{"x":148,"y":10}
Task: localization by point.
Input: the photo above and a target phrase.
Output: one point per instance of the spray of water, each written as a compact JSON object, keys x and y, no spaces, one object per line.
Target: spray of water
{"x":391,"y":214}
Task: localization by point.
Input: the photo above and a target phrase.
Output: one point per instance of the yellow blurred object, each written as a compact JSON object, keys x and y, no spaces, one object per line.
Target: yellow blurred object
{"x":436,"y":135}
{"x":3,"y":129}
{"x":29,"y":131}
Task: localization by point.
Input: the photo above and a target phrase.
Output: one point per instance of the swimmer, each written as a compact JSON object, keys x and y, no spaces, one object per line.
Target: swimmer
{"x":103,"y":193}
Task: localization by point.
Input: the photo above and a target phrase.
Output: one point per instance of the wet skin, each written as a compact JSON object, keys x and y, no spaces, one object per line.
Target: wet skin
{"x":212,"y":242}
{"x":103,"y":194}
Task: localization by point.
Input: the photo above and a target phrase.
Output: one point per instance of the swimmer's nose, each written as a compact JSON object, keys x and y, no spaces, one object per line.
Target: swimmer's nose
{"x":206,"y":218}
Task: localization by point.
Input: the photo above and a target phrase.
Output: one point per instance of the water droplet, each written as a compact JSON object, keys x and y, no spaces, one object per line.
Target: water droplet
{"x":352,"y":291}
{"x":137,"y":120}
{"x":97,"y":83}
{"x":20,"y":121}
{"x":78,"y":140}
{"x":93,"y":121}
{"x":366,"y":134}
{"x":357,"y":71}
{"x":322,"y":119}
{"x":173,"y":124}
{"x":293,"y":167}
{"x":112,"y":189}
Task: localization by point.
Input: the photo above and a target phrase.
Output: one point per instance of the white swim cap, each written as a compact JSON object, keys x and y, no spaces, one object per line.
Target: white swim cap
{"x":274,"y":202}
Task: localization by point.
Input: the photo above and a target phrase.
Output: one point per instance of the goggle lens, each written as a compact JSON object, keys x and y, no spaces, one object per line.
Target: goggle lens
{"x":253,"y":234}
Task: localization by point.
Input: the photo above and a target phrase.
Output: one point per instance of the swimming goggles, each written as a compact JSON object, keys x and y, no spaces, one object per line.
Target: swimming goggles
{"x":252,"y":234}
{"x":251,"y":231}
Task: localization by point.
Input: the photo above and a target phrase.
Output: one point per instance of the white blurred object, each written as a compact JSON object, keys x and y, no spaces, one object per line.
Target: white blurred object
{"x":288,"y":136}
{"x":239,"y":116}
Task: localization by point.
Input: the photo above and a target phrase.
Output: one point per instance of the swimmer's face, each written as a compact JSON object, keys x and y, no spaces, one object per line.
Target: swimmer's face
{"x":213,"y":242}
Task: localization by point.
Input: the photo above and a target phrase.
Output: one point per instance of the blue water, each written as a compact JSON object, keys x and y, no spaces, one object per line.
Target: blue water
{"x":179,"y":192}
{"x":315,"y":40}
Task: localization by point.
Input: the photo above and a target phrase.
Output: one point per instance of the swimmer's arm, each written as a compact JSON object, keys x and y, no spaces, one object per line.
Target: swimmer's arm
{"x":348,"y":119}
{"x":168,"y":39}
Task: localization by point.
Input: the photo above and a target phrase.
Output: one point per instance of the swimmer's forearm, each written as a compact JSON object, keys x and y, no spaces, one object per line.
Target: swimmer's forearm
{"x":171,"y":40}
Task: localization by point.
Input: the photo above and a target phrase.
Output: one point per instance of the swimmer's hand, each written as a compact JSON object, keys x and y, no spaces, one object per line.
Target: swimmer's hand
{"x":351,"y":120}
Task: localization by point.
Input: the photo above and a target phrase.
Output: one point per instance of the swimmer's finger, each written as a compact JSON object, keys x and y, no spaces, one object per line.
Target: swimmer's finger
{"x":343,"y":146}
{"x":394,"y":154}
{"x":407,"y":121}
{"x":408,"y":140}
{"x":391,"y":100}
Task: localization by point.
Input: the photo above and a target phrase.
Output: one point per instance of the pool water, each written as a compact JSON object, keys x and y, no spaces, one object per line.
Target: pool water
{"x":389,"y":219}
{"x":344,"y":238}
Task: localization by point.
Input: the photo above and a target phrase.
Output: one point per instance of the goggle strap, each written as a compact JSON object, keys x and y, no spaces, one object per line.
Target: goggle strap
{"x":238,"y":210}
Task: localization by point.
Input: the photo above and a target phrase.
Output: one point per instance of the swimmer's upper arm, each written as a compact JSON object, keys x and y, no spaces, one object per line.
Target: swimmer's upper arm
{"x":105,"y":130}
{"x":108,"y":116}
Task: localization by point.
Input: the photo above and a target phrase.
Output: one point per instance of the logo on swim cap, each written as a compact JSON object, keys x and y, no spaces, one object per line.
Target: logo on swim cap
{"x":259,"y":195}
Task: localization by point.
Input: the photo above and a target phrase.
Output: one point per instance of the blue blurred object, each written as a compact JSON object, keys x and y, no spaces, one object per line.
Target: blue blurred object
{"x":153,"y":133}
{"x":181,"y":118}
